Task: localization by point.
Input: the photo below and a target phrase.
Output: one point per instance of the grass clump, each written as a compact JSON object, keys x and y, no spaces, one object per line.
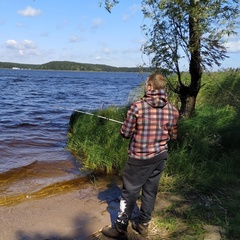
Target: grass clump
{"x":97,"y":142}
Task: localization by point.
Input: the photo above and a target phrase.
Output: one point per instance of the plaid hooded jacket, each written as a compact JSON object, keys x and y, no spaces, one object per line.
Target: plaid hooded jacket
{"x":150,"y":123}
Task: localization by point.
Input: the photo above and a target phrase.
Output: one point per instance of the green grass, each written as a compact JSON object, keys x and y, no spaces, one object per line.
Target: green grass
{"x":97,"y":142}
{"x":203,"y":165}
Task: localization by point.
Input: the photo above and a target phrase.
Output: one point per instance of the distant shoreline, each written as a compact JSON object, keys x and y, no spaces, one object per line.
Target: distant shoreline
{"x":71,"y":66}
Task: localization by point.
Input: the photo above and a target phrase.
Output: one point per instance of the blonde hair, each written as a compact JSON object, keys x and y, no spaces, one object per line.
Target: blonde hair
{"x":157,"y":81}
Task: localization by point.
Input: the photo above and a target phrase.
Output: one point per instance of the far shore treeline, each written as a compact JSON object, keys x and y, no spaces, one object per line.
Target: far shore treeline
{"x":72,"y":66}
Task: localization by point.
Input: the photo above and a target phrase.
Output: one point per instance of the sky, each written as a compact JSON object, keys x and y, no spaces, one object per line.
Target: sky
{"x":40,"y":31}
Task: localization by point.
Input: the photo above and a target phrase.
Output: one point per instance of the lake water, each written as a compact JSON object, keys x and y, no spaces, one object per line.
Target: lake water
{"x":35,"y":108}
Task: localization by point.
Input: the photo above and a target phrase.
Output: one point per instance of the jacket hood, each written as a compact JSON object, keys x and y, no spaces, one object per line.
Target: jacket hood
{"x":156,"y":98}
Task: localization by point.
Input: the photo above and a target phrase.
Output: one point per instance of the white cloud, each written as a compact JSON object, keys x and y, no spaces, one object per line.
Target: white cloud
{"x":96,"y":22}
{"x":12,"y":44}
{"x":28,"y":44}
{"x":130,"y":50}
{"x":29,"y":12}
{"x":131,"y":11}
{"x":135,"y":8}
{"x":21,"y":50}
{"x":25,"y":44}
{"x":233,"y":47}
{"x":74,"y":38}
{"x":107,"y":51}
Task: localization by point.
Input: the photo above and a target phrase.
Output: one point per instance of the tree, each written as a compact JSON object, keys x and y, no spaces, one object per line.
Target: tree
{"x":187,"y":30}
{"x":109,"y":4}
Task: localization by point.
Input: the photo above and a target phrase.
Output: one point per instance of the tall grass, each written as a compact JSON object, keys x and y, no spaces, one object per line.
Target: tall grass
{"x":206,"y":154}
{"x":97,"y":142}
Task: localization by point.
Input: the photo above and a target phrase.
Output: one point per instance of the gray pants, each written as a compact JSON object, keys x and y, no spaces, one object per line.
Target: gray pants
{"x":135,"y":179}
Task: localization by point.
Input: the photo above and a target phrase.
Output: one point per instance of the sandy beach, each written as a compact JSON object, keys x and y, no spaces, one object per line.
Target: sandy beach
{"x":75,"y":214}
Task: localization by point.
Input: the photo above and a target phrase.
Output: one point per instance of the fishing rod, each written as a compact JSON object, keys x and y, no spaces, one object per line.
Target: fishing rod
{"x":88,"y":113}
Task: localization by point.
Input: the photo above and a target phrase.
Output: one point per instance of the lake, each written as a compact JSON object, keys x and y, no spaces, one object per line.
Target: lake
{"x":35,"y":108}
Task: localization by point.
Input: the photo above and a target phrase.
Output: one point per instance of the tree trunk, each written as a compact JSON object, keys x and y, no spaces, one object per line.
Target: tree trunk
{"x":188,"y":94}
{"x":188,"y":101}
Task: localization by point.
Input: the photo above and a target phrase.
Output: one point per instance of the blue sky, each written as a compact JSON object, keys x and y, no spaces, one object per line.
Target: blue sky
{"x":39,"y":31}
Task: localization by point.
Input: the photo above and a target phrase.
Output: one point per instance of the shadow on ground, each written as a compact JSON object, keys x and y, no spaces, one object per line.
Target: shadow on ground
{"x":112,"y":197}
{"x":77,"y":232}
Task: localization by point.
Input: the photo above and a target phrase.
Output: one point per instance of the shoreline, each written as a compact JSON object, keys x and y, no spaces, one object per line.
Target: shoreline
{"x":75,"y":214}
{"x":81,"y":214}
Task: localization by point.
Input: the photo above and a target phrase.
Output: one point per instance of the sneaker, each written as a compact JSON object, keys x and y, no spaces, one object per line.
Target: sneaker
{"x":141,"y":228}
{"x":118,"y":232}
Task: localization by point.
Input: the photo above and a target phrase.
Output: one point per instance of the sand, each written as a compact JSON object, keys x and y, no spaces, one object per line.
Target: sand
{"x":75,"y":214}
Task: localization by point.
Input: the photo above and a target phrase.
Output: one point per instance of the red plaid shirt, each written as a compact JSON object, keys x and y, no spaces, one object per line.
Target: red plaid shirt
{"x":150,"y":123}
